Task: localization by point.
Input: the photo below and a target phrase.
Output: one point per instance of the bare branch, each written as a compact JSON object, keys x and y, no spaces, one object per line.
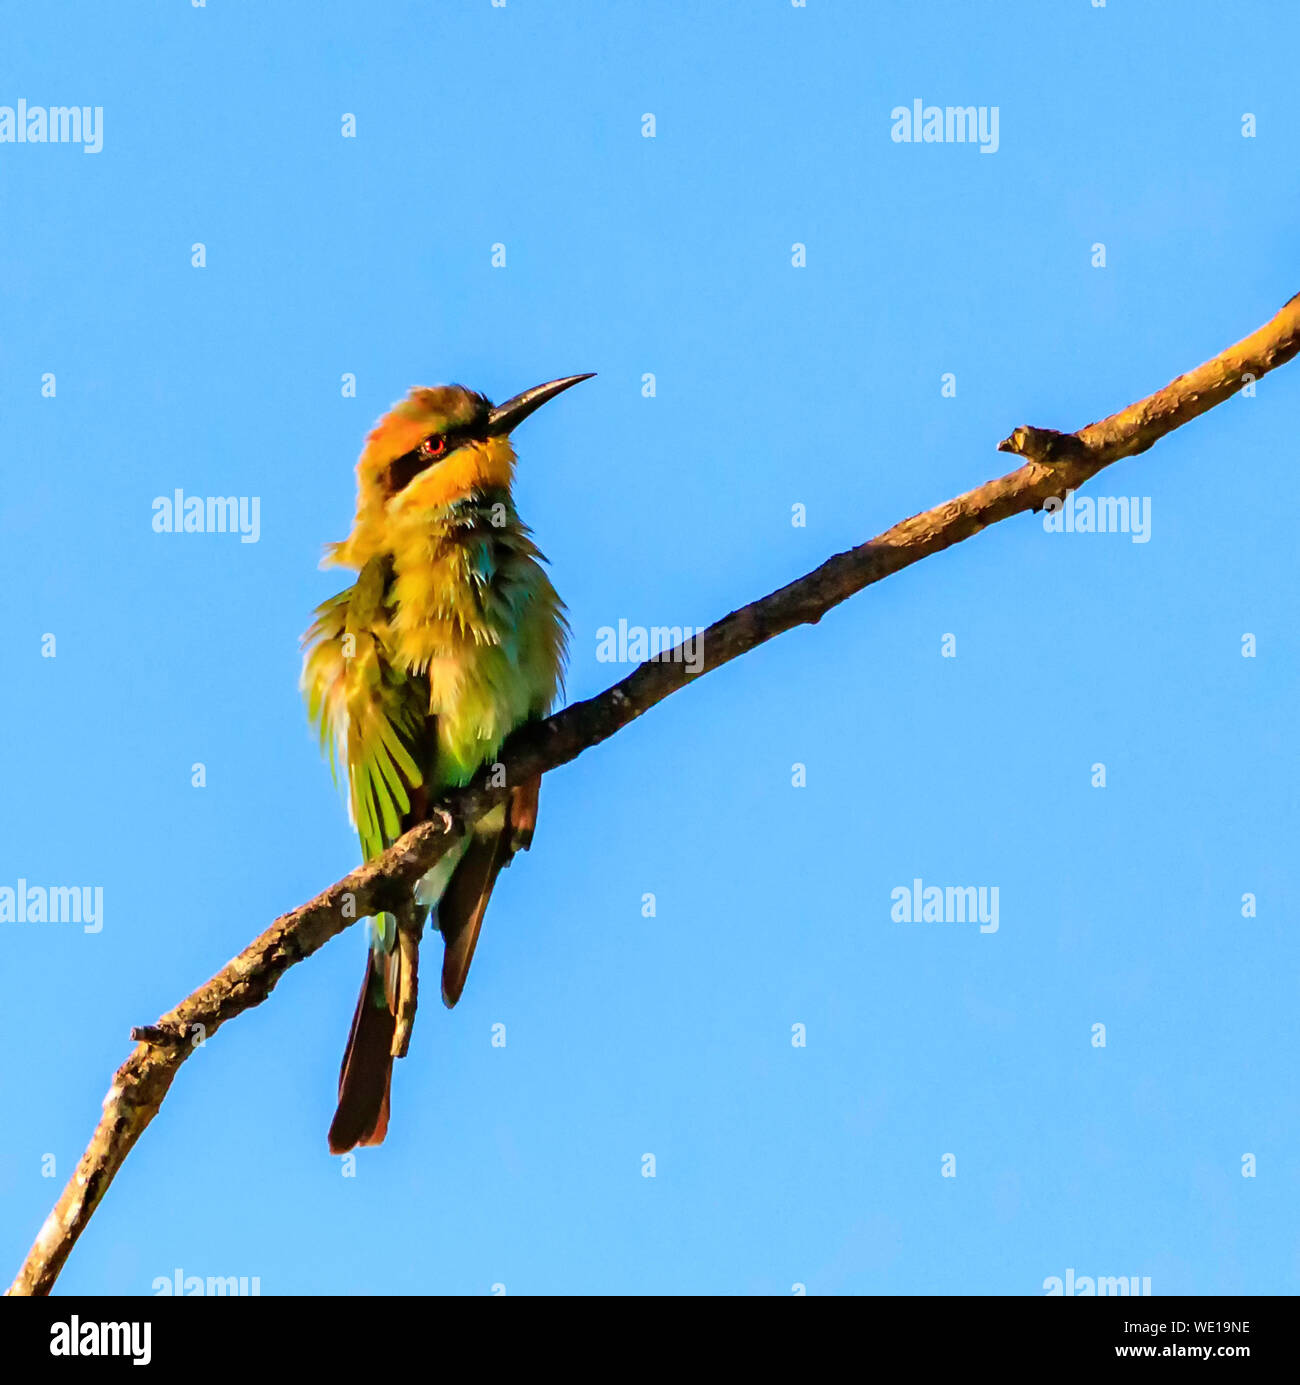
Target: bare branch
{"x":1056,"y":462}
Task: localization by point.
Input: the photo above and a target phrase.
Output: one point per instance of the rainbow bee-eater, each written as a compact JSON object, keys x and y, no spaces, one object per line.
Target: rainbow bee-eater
{"x":451,"y":636}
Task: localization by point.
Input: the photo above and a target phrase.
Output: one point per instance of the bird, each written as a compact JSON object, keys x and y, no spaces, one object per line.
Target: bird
{"x":451,"y":637}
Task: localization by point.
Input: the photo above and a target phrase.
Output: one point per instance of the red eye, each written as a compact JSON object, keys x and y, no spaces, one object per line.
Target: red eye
{"x":432,"y":447}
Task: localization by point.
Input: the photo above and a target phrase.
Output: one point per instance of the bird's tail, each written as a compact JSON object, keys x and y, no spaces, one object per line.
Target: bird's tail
{"x":367,"y":1072}
{"x":381,"y":1026}
{"x":465,"y":900}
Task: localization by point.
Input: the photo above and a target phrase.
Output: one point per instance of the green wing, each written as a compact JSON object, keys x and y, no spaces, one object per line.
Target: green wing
{"x":371,"y":715}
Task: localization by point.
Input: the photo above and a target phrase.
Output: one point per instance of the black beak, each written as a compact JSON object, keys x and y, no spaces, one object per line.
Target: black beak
{"x":509,"y":415}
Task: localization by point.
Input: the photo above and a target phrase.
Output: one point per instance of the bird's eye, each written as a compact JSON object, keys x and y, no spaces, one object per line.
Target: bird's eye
{"x":432,"y":448}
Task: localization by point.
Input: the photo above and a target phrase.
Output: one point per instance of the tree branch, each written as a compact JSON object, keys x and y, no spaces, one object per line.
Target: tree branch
{"x":1055,"y":463}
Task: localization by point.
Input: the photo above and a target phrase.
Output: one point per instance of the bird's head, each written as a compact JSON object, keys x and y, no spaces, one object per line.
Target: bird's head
{"x":438,"y":446}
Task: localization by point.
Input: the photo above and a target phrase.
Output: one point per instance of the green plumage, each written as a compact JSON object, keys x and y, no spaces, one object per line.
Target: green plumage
{"x":417,"y":672}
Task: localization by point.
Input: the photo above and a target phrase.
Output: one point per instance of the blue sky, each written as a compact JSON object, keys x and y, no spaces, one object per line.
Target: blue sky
{"x":775,"y":386}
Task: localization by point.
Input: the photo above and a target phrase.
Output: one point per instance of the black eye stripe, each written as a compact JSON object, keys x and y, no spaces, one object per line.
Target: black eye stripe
{"x":408,"y":466}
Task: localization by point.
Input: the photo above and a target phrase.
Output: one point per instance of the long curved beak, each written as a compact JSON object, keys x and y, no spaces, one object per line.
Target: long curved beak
{"x":512,"y":413}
